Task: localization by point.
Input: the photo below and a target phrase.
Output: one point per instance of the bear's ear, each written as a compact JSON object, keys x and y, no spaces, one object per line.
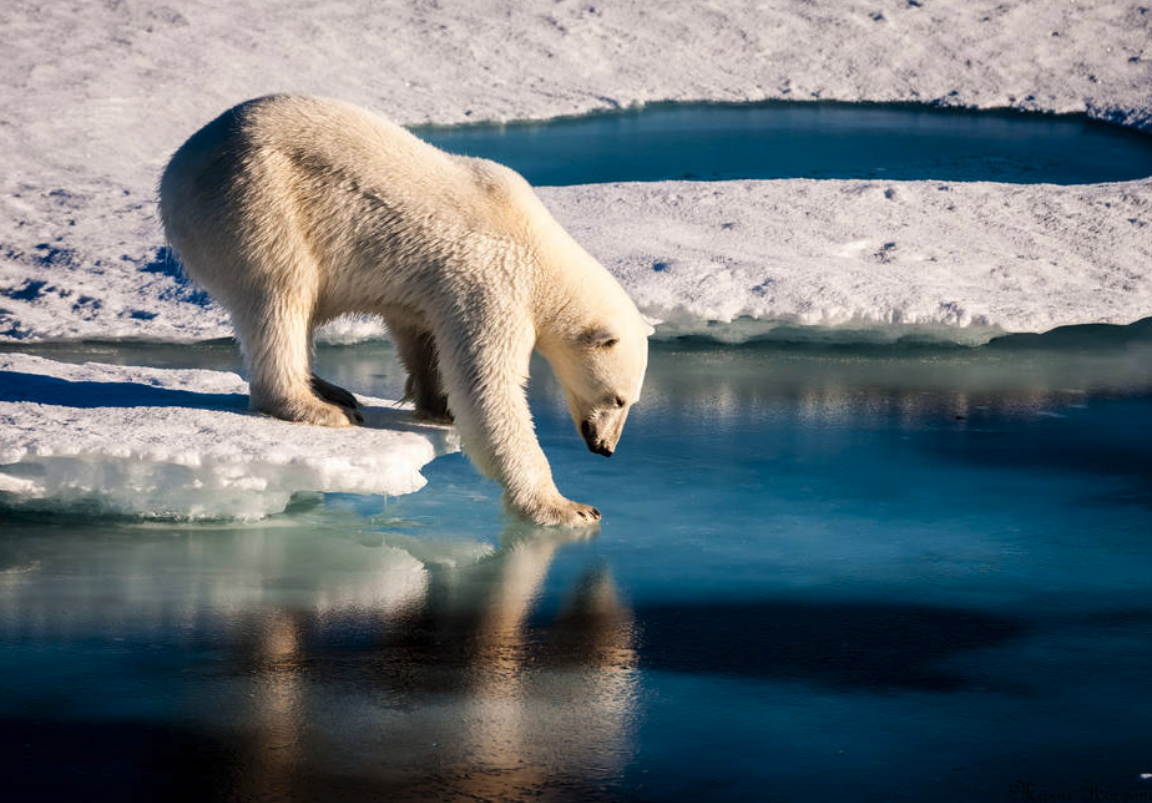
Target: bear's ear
{"x":649,"y":325}
{"x":598,"y":337}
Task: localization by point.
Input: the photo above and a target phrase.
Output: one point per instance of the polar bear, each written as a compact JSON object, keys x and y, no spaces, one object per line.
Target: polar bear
{"x":292,"y":211}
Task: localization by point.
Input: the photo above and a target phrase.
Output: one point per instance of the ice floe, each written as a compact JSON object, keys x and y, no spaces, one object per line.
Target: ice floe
{"x":166,"y":443}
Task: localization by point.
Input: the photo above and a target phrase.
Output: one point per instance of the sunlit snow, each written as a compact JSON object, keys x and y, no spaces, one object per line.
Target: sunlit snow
{"x":164,"y":443}
{"x":89,"y":124}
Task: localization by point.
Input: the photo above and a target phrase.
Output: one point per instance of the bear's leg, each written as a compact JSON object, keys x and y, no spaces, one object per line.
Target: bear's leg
{"x":275,"y":335}
{"x":485,"y":383}
{"x":417,"y":350}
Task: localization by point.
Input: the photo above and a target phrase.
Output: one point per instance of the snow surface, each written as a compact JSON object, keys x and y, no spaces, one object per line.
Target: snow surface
{"x":94,"y":97}
{"x":163,"y":443}
{"x":942,"y":260}
{"x":950,"y":261}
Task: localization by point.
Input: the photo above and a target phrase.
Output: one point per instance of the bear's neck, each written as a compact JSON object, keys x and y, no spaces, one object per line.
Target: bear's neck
{"x":573,"y":293}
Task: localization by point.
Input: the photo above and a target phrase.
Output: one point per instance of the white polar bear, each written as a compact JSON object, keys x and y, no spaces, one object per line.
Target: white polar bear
{"x":292,"y":211}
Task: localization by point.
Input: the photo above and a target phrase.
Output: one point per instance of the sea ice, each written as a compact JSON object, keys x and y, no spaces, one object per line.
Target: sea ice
{"x":951,"y":261}
{"x":88,"y":126}
{"x":163,"y":443}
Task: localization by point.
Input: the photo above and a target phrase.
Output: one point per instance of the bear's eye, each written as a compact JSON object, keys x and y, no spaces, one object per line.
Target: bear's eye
{"x":618,"y":401}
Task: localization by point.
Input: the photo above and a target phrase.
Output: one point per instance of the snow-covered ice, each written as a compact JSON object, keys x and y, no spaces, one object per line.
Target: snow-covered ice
{"x":954,"y":261}
{"x":164,"y":443}
{"x":96,"y":96}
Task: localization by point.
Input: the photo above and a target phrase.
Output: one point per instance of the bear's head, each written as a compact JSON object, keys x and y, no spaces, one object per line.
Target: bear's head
{"x":602,"y":372}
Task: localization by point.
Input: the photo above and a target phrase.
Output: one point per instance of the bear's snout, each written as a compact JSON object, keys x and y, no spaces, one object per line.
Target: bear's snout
{"x":595,"y":445}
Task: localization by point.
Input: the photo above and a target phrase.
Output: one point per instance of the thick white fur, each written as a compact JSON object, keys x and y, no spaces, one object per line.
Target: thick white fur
{"x":294,"y":210}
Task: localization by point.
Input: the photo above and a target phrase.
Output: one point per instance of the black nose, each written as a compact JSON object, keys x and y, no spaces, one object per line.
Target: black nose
{"x":590,"y":439}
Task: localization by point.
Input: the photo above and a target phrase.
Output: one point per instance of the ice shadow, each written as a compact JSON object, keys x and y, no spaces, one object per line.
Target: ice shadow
{"x":39,"y":389}
{"x":866,"y":646}
{"x":876,"y":341}
{"x":16,"y":386}
{"x":399,"y":418}
{"x":166,"y":263}
{"x":1078,"y":336}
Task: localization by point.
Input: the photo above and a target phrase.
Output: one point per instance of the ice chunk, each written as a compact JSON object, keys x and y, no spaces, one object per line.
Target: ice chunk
{"x":163,"y":443}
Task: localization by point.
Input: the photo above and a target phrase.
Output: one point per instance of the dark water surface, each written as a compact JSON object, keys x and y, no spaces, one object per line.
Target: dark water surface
{"x":808,"y":140}
{"x":891,"y":574}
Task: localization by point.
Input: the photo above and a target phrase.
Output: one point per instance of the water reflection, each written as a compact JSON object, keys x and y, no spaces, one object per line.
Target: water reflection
{"x":322,"y":668}
{"x":741,"y":389}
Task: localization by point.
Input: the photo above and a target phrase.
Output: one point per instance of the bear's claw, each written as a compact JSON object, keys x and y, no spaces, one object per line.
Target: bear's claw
{"x":560,"y":513}
{"x":335,"y":394}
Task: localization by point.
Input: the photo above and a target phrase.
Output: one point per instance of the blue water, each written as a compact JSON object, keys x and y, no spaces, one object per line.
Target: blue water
{"x":808,"y":140}
{"x":865,"y":573}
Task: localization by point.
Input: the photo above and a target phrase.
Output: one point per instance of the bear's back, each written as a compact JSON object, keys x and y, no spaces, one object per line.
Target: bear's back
{"x":293,"y":139}
{"x":323,"y":152}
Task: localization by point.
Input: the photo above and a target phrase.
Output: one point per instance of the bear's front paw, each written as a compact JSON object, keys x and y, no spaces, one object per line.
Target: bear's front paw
{"x":560,"y":512}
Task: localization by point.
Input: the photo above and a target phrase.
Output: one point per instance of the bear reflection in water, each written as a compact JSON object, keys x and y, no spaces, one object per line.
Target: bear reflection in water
{"x":311,"y":667}
{"x":461,"y":696}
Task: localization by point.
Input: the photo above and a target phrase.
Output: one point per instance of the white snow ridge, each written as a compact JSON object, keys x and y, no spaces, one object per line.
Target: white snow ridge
{"x":162,"y":443}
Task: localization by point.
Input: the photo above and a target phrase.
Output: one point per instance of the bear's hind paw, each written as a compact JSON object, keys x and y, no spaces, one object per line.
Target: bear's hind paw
{"x":333,"y":393}
{"x":432,"y":416}
{"x":314,"y":411}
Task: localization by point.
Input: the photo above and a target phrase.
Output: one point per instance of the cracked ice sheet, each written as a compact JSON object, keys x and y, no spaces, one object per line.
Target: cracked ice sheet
{"x":161,"y":443}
